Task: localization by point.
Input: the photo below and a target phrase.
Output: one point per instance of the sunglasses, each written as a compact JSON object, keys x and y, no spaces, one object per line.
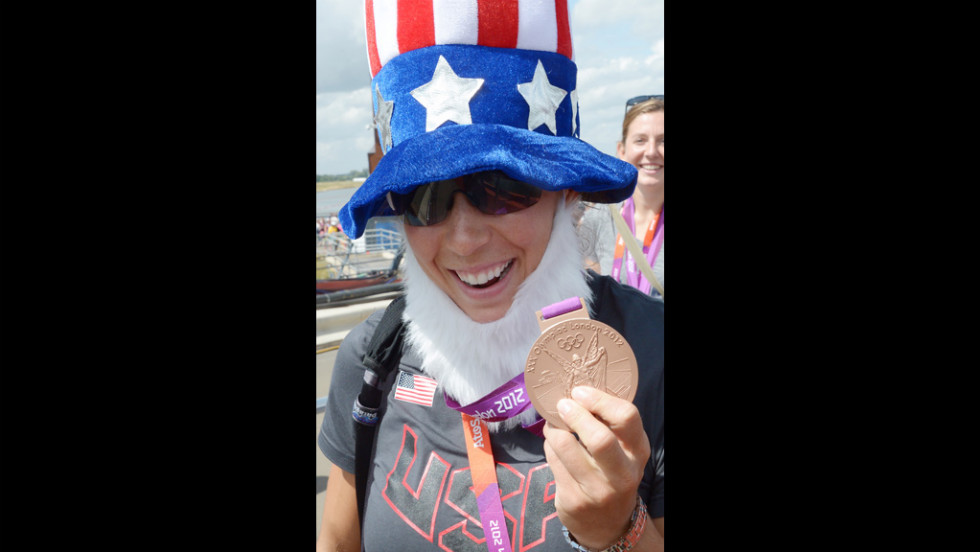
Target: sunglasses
{"x":633,"y":101}
{"x":493,"y":193}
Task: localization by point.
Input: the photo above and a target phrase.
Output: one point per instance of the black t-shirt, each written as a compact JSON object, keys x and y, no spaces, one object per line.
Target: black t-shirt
{"x":419,"y":495}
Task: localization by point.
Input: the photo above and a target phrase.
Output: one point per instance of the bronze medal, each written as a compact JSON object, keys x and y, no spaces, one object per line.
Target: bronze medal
{"x":573,"y":352}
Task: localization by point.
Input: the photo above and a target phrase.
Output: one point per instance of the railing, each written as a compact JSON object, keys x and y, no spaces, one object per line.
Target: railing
{"x":375,"y":239}
{"x":331,"y":243}
{"x":337,"y":256}
{"x":380,"y":239}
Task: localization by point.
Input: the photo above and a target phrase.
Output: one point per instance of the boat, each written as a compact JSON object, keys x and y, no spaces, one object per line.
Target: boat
{"x":338,"y":284}
{"x":372,"y":260}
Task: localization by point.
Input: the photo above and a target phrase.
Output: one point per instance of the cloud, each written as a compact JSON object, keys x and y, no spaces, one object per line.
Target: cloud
{"x":619,"y":49}
{"x":343,"y":133}
{"x":341,"y":51}
{"x":343,"y":93}
{"x":594,"y":14}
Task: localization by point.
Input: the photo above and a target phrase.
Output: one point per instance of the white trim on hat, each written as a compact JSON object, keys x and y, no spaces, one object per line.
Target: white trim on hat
{"x":386,"y":29}
{"x":532,"y":33}
{"x":455,"y":21}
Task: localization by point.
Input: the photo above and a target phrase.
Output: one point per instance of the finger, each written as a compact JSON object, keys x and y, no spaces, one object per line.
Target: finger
{"x":566,"y":451}
{"x":563,"y":479}
{"x":619,"y":416}
{"x":574,"y":487}
{"x":599,"y":447}
{"x":581,"y":497}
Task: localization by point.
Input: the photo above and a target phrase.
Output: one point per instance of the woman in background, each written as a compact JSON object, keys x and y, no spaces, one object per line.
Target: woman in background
{"x":642,"y":145}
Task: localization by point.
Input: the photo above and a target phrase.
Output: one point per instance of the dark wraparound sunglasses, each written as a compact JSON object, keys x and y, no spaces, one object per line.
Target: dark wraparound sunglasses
{"x":493,"y":193}
{"x":633,"y":101}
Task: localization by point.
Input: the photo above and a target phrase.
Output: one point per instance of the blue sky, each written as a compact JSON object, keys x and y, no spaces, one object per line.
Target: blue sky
{"x":619,"y":50}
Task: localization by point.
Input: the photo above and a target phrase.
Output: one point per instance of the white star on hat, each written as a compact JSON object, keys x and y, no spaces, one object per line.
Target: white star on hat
{"x":383,"y":120}
{"x":543,"y":100}
{"x":446,"y":97}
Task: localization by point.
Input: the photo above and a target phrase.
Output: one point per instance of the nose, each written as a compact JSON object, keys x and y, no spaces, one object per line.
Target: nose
{"x":652,"y":148}
{"x":467,"y":228}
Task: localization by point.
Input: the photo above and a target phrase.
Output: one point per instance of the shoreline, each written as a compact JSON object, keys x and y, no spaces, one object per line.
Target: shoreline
{"x":336,"y":185}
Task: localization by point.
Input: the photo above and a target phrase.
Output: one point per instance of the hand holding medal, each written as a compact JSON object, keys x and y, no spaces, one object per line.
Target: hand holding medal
{"x":596,"y":474}
{"x":581,"y":376}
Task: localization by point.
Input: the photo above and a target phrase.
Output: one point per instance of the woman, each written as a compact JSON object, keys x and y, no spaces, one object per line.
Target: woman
{"x":642,"y":145}
{"x":482,"y":162}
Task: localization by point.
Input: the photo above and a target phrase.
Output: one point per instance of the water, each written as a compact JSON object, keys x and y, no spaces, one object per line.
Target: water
{"x":329,"y":202}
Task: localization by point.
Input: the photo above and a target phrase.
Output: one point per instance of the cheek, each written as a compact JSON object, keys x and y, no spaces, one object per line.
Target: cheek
{"x":533,"y":233}
{"x":424,"y":244}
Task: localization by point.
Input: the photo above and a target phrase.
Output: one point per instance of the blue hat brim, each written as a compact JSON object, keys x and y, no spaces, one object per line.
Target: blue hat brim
{"x":546,"y":161}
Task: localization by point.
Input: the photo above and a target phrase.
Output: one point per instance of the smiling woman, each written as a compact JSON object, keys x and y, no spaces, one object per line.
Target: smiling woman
{"x":459,"y":254}
{"x":605,"y":250}
{"x":476,"y":108}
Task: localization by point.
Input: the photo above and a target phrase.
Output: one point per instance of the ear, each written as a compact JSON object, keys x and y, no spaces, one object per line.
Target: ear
{"x":621,"y":151}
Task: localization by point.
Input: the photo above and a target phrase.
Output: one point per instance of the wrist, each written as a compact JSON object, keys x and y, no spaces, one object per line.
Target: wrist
{"x":627,"y":541}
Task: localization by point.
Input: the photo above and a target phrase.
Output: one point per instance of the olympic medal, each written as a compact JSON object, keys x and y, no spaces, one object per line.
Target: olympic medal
{"x":573,"y":352}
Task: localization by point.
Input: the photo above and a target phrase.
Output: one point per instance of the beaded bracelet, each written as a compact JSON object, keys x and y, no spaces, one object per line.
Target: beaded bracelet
{"x":637,"y":523}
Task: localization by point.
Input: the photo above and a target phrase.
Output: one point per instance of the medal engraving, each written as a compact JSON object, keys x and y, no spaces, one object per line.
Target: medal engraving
{"x":577,"y":352}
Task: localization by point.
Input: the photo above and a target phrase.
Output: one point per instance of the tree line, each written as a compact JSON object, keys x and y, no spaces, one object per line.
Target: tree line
{"x":347,"y":176}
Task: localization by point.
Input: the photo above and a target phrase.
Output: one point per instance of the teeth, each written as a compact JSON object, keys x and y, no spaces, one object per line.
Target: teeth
{"x":481,"y":278}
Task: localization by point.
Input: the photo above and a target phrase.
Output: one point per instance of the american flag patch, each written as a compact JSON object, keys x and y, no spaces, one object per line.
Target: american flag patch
{"x":415,"y":389}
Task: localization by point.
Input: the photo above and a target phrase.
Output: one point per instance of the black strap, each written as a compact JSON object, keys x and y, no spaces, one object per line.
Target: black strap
{"x":381,"y":357}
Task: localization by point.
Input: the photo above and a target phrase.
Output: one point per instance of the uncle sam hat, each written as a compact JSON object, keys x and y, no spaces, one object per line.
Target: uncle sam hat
{"x":466,"y":86}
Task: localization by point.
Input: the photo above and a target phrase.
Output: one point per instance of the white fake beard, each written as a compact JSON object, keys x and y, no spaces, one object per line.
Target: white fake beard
{"x":471,"y":359}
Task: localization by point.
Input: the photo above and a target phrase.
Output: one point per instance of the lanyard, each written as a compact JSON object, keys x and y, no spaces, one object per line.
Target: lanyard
{"x":484,"y":474}
{"x":654,"y":237}
{"x":506,"y":401}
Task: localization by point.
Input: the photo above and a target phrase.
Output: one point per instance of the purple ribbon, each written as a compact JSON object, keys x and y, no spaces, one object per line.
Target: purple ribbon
{"x":635,"y":277}
{"x":536,"y":427}
{"x":561,"y":307}
{"x":507,"y":401}
{"x":492,"y":519}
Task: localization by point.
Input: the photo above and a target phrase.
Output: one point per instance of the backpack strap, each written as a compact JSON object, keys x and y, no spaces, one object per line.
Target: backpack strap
{"x":383,"y":354}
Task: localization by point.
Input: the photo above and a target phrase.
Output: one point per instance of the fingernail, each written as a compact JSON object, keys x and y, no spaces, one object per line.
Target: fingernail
{"x":582,"y":393}
{"x":564,"y":406}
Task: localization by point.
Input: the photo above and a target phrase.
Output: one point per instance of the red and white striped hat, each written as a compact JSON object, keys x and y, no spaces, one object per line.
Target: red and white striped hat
{"x":398,"y":26}
{"x":465,"y":86}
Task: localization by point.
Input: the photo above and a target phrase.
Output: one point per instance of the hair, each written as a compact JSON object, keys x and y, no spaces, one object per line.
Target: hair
{"x":650,"y":106}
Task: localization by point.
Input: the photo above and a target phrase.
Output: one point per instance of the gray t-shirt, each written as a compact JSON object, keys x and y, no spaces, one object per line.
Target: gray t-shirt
{"x":597,"y":240}
{"x":419,"y":497}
